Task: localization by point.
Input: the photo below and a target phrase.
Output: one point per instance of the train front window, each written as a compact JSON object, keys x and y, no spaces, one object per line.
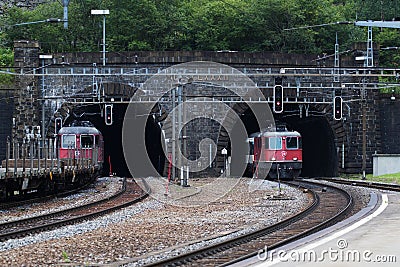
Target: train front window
{"x":68,"y":141}
{"x":86,"y":141}
{"x":274,"y":143}
{"x":291,"y":142}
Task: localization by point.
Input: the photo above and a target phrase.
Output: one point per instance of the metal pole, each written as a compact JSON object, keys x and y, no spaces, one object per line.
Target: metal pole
{"x":23,"y":157}
{"x":38,"y":154}
{"x":279,"y":178}
{"x":180,"y":129}
{"x":211,"y":155}
{"x":343,"y":156}
{"x":7,"y":154}
{"x":182,"y":177}
{"x":173,"y":136}
{"x":104,"y":40}
{"x":31,"y":152}
{"x":52,"y":154}
{"x":15,"y":158}
{"x":43,"y":102}
{"x":184,"y":134}
{"x":224,"y":165}
{"x":364,"y":139}
{"x":187,"y":175}
{"x":65,"y":4}
{"x":13,"y":149}
{"x":58,"y":148}
{"x":45,"y":155}
{"x":364,"y":124}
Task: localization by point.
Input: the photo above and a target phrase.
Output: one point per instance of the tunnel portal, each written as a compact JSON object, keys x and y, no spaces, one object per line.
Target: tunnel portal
{"x":319,"y":146}
{"x":113,"y":144}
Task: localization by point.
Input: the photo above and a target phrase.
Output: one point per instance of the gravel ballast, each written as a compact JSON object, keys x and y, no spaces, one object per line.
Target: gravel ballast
{"x":154,"y":229}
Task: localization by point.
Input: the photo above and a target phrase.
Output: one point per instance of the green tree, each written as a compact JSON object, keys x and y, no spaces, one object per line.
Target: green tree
{"x":252,"y":25}
{"x":6,"y":61}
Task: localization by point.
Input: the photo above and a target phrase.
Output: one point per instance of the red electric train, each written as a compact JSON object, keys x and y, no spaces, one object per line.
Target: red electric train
{"x":81,"y":141}
{"x":280,"y":152}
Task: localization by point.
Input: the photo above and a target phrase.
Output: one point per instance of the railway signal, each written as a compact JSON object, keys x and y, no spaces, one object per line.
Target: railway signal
{"x":57,"y":125}
{"x":337,"y":107}
{"x":278,"y":99}
{"x":108,"y":114}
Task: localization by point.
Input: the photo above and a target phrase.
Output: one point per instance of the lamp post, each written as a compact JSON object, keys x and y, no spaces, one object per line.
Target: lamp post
{"x":65,"y":6}
{"x":43,"y":58}
{"x":103,"y":12}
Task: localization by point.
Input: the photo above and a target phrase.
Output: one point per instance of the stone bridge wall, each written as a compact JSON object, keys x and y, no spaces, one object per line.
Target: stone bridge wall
{"x":348,"y":131}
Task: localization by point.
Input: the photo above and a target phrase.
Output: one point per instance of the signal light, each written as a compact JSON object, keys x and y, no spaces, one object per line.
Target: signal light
{"x":278,"y":99}
{"x":57,"y":125}
{"x":108,"y":114}
{"x":337,"y":107}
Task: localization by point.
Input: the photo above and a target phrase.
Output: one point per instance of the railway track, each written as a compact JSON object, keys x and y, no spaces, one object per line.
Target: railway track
{"x":130,"y":194}
{"x":330,"y":205}
{"x":368,"y":184}
{"x":13,"y":204}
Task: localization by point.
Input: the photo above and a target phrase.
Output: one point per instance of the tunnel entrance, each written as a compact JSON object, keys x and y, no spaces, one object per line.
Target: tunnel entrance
{"x":113,"y":146}
{"x":319,"y":146}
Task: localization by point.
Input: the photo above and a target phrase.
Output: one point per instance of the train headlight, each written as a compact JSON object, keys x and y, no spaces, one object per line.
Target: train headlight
{"x":295,"y":159}
{"x":273,"y":158}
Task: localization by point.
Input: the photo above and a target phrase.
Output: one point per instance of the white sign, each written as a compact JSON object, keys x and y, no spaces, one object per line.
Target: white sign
{"x":100,"y":12}
{"x":224,"y":151}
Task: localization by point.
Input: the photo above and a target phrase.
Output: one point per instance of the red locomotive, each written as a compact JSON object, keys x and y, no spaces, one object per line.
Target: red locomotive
{"x":81,"y":141}
{"x":280,"y":152}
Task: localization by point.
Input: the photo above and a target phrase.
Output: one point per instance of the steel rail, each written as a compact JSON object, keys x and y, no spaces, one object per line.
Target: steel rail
{"x":52,"y":225}
{"x":339,"y":216}
{"x":368,"y":184}
{"x":13,"y":204}
{"x":222,"y":246}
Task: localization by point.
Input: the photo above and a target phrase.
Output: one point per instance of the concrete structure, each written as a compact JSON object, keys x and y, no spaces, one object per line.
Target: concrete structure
{"x":71,"y":83}
{"x":386,"y":164}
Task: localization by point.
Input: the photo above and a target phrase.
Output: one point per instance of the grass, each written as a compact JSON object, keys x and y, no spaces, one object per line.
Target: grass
{"x":387,"y":178}
{"x":65,"y":256}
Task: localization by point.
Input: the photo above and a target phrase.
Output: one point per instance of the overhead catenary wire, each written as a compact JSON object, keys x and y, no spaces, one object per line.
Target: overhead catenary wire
{"x":320,"y":25}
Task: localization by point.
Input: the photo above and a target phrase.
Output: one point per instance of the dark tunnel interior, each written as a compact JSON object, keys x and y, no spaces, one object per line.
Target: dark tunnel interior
{"x":112,"y":134}
{"x":319,"y":147}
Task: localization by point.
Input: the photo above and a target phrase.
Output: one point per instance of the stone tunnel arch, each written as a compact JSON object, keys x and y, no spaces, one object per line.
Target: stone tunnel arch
{"x":79,"y":110}
{"x":105,"y":90}
{"x":333,"y":133}
{"x":322,"y":137}
{"x":325,"y":140}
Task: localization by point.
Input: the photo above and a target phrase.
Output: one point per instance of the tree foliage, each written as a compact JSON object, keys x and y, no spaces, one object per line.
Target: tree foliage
{"x":251,"y":25}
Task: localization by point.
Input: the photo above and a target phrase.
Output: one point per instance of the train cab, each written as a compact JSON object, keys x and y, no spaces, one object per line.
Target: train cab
{"x":280,"y":152}
{"x":80,"y":142}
